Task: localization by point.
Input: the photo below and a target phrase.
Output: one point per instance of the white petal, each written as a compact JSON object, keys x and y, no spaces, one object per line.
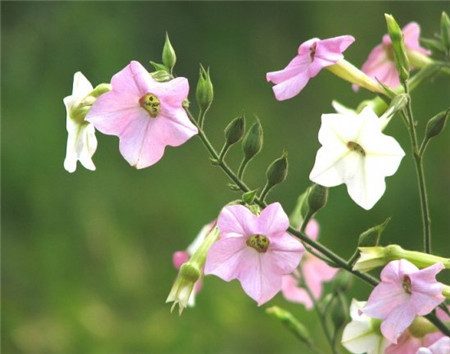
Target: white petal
{"x":81,"y":86}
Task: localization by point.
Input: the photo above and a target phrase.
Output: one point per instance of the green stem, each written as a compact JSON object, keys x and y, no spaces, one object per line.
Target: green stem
{"x":320,"y":314}
{"x":417,"y":155}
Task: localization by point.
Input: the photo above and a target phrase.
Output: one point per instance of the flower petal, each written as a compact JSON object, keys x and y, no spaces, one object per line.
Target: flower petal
{"x":273,"y":221}
{"x":237,"y":221}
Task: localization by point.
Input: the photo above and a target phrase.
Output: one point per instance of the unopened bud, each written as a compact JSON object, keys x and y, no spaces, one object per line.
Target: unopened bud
{"x":445,"y":31}
{"x":205,"y":91}
{"x":398,"y":46}
{"x":277,"y":171}
{"x":339,"y":314}
{"x":161,"y":76}
{"x":235,"y":130}
{"x":317,"y":198}
{"x":343,"y":281}
{"x":253,"y":141}
{"x":436,"y":124}
{"x":169,"y":57}
{"x":291,"y":323}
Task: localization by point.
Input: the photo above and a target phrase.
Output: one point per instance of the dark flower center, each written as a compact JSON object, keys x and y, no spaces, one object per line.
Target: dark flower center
{"x":151,"y":104}
{"x":356,"y":147}
{"x":312,"y":51}
{"x":259,"y":242}
{"x":406,"y":284}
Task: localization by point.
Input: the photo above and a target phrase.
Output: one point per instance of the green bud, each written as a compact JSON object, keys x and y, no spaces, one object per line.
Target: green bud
{"x":301,"y":208}
{"x":169,"y":57}
{"x":436,"y":124}
{"x":277,"y":171}
{"x":253,"y":141}
{"x":343,"y":281}
{"x":339,"y":314}
{"x":235,"y":130}
{"x":291,"y":323}
{"x":205,"y":91}
{"x":100,"y":90}
{"x":317,"y":198}
{"x":398,"y":46}
{"x":445,"y":31}
{"x":159,"y":67}
{"x":249,"y":197}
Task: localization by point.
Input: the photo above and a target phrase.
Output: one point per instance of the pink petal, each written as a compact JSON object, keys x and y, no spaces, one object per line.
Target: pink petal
{"x":394,"y":271}
{"x":398,"y":320}
{"x":259,"y":281}
{"x":316,"y":272}
{"x":172,"y":130}
{"x":312,"y":229}
{"x":236,"y":221}
{"x":296,"y":66}
{"x":293,"y":293}
{"x":385,"y":297}
{"x":273,"y":221}
{"x":173,"y":92}
{"x":284,"y":254}
{"x":179,"y":258}
{"x":329,"y":51}
{"x":228,"y":257}
{"x":411,"y":34}
{"x":291,"y":87}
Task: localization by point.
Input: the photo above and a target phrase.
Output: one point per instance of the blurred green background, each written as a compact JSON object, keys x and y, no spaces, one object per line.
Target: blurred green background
{"x":86,"y":257}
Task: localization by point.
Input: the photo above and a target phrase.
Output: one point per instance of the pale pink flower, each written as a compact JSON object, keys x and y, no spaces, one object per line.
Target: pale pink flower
{"x":380,"y":64}
{"x":408,"y":344}
{"x":314,"y":270}
{"x":313,"y":55}
{"x":404,"y":292}
{"x":145,"y":114}
{"x":255,"y":249}
{"x":441,"y":346}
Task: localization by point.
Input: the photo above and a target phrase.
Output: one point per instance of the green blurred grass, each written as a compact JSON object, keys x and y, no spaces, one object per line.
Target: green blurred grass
{"x":87,"y":257}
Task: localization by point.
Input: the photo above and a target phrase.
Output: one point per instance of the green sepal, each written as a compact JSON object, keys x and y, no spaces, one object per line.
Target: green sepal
{"x":277,"y":171}
{"x":249,"y":197}
{"x":253,"y":141}
{"x":169,"y":57}
{"x":234,"y":131}
{"x":445,"y":31}
{"x":205,"y":91}
{"x":234,"y":187}
{"x":159,"y":67}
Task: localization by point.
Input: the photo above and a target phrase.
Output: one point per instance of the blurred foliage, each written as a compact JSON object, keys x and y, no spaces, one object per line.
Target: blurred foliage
{"x":87,"y":256}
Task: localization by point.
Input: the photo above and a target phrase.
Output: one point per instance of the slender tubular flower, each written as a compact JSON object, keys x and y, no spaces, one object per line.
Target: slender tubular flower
{"x":254,"y":249}
{"x":380,"y":64}
{"x":355,"y":152}
{"x":404,"y":292}
{"x":362,"y":334}
{"x":81,"y":140}
{"x":313,"y":55}
{"x":314,"y":270}
{"x":145,"y":114}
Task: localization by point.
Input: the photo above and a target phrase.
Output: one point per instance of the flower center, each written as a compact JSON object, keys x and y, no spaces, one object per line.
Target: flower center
{"x":312,"y":51}
{"x":406,"y":284}
{"x":151,"y":104}
{"x":259,"y":242}
{"x":356,"y":147}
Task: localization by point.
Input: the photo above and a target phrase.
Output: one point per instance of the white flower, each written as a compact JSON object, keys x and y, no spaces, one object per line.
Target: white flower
{"x":362,"y":334}
{"x":355,"y":152}
{"x":81,"y":141}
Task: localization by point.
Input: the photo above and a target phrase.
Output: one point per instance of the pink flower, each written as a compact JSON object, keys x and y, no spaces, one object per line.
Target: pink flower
{"x":256,"y":250}
{"x":404,"y":292}
{"x":313,"y":55}
{"x":314,"y":270}
{"x":408,"y":344}
{"x":442,"y":346}
{"x":145,"y":114}
{"x":380,"y":64}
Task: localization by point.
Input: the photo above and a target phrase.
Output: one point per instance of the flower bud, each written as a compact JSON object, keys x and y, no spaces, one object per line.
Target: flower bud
{"x":436,"y":124}
{"x":371,"y":237}
{"x":317,"y":198}
{"x":445,"y":31}
{"x":277,"y":171}
{"x":398,"y":46}
{"x":343,"y":281}
{"x":235,"y":130}
{"x":169,"y":57}
{"x":205,"y":91}
{"x":253,"y":141}
{"x":339,"y":314}
{"x":291,"y":323}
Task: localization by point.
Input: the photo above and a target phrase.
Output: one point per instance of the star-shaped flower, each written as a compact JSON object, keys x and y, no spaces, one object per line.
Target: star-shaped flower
{"x":81,"y":141}
{"x":404,"y":292}
{"x":145,"y":114}
{"x":380,"y":64}
{"x":256,"y":250}
{"x":355,"y":152}
{"x":313,"y":55}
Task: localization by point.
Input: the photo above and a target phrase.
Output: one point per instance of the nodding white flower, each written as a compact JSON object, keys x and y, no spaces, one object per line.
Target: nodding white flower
{"x":362,"y":334}
{"x":355,"y":152}
{"x":81,"y":141}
